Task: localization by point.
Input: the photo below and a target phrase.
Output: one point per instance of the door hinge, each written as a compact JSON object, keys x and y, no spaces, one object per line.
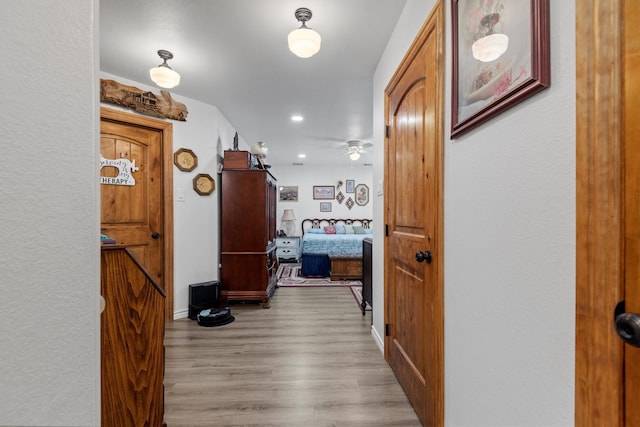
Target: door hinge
{"x":386,"y":131}
{"x":386,"y":230}
{"x":386,"y":329}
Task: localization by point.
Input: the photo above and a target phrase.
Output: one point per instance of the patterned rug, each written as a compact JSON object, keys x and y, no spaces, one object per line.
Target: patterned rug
{"x":290,"y":275}
{"x":357,"y":294}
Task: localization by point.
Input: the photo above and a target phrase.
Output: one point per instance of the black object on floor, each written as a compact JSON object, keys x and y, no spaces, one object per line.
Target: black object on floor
{"x":203,"y":295}
{"x":215,"y":317}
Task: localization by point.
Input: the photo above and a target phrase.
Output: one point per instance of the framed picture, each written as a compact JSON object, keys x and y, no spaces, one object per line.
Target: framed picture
{"x":325,"y":206}
{"x":362,"y":194}
{"x":351,"y":186}
{"x":288,"y":194}
{"x":324,"y":192}
{"x":500,"y":57}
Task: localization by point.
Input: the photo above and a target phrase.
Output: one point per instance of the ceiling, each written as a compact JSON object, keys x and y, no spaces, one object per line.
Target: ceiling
{"x":233,"y":54}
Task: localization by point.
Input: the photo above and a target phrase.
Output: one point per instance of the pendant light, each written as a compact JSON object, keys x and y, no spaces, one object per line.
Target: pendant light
{"x":163,"y":75}
{"x":304,"y":42}
{"x":491,"y":45}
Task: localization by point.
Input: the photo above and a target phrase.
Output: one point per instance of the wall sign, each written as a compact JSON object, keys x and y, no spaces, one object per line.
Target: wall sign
{"x":125,"y":169}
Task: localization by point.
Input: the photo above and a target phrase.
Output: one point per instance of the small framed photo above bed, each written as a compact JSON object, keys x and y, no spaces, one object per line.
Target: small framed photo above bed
{"x":351,"y":185}
{"x":324,"y":192}
{"x":289,"y":194}
{"x":325,"y":206}
{"x":362,"y":194}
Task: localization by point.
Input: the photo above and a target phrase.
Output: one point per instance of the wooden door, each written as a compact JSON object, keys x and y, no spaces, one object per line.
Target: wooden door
{"x":607,"y":211}
{"x":138,"y":215}
{"x":413,"y":247}
{"x":631,"y":364}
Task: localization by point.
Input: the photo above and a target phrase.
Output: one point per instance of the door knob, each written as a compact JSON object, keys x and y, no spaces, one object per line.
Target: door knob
{"x":155,"y":235}
{"x":424,"y":256}
{"x":628,"y":328}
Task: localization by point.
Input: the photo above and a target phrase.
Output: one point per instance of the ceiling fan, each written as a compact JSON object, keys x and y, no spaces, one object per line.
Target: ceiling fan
{"x":354,"y":148}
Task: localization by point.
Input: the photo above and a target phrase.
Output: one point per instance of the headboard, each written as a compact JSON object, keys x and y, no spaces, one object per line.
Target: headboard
{"x":321,"y":222}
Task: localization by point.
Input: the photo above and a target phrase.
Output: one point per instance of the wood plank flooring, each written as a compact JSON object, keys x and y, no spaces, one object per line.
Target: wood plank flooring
{"x":308,"y":361}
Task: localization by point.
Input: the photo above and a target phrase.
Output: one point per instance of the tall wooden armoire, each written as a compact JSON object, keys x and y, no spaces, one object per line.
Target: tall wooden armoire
{"x":248,"y":230}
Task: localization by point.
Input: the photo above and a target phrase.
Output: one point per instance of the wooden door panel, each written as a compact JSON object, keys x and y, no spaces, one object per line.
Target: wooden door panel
{"x":413,"y":172}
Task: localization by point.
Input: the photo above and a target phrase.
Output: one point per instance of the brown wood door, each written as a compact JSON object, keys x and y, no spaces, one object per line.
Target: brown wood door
{"x":413,"y":169}
{"x":139,"y":216}
{"x":632,"y":207}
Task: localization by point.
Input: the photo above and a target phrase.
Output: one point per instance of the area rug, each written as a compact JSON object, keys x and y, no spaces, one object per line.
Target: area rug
{"x":290,"y":275}
{"x":357,"y":294}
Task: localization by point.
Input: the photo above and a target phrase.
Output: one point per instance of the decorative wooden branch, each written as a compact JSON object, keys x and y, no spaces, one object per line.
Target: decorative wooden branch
{"x":138,"y":100}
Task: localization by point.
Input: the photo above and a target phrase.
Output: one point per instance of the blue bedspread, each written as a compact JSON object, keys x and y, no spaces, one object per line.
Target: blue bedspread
{"x":332,"y":244}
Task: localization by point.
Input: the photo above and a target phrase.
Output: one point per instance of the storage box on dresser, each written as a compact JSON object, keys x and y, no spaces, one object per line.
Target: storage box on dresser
{"x":287,"y":248}
{"x":248,"y":230}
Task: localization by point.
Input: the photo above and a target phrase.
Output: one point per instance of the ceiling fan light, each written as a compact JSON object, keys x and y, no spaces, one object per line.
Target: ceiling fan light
{"x":354,"y":155}
{"x":491,"y":47}
{"x":304,"y":42}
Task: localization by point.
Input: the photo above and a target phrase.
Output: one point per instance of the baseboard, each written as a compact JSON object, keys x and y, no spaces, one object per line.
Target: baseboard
{"x":378,"y":339}
{"x":181,"y":314}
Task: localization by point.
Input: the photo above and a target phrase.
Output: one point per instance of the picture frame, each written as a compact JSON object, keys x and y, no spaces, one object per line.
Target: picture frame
{"x":483,"y":90}
{"x":288,"y":193}
{"x":324,"y":192}
{"x":362,"y":194}
{"x":351,"y":186}
{"x":325,"y":206}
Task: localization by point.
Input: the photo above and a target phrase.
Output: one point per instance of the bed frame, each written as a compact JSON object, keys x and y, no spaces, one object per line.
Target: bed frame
{"x":337,"y":268}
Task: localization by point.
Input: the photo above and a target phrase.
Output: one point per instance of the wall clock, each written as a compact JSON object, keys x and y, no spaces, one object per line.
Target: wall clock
{"x":185,"y":159}
{"x":203,"y":184}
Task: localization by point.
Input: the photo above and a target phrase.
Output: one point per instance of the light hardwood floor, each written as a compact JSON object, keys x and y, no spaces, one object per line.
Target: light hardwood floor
{"x":308,"y":361}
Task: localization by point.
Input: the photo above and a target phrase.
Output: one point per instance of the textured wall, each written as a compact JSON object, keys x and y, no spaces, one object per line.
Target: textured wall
{"x":49,"y":214}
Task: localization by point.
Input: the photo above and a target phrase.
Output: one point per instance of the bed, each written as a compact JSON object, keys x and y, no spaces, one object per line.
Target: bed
{"x":330,"y":241}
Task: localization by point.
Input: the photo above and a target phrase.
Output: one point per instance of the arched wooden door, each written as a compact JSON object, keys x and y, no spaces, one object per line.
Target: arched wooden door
{"x":139,"y":216}
{"x":414,"y":313}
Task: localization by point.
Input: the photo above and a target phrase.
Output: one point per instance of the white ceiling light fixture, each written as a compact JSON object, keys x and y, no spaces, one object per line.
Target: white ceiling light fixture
{"x":163,"y":75}
{"x":354,"y":155}
{"x":489,"y":45}
{"x":304,"y":42}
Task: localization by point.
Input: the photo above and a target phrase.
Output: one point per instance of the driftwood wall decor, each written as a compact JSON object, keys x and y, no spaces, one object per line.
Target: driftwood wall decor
{"x":138,"y":100}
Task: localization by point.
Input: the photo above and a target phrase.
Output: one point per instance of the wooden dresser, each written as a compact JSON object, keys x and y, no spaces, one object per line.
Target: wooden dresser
{"x":248,"y":231}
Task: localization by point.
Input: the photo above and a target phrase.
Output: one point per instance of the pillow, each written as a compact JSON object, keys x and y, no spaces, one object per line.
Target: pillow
{"x":330,"y":229}
{"x":340,"y":229}
{"x":348,"y":229}
{"x":315,"y":231}
{"x":368,"y":231}
{"x":358,"y":229}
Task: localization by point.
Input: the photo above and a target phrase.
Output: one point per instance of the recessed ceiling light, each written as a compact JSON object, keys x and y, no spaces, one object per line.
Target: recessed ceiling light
{"x":302,"y":156}
{"x":297,"y":118}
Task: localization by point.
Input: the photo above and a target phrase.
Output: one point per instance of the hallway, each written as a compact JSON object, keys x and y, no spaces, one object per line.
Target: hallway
{"x":309,"y":360}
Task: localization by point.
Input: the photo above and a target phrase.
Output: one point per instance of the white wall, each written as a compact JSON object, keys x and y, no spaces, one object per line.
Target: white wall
{"x":306,"y":177}
{"x":509,"y":244}
{"x":49,"y":215}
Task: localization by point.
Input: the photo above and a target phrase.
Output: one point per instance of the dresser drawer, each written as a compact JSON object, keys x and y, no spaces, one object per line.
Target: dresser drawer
{"x":287,"y":242}
{"x":287,"y":253}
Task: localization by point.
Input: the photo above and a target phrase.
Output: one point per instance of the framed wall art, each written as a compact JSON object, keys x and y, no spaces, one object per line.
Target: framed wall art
{"x":325,"y":206}
{"x":351,"y":186}
{"x":500,"y":57}
{"x":324,"y":192}
{"x":362,"y":194}
{"x":288,"y":194}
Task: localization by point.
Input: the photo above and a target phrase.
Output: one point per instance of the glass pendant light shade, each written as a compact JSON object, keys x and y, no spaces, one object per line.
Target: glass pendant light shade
{"x":164,"y":76}
{"x":354,"y":155}
{"x":490,"y":48}
{"x":304,"y":42}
